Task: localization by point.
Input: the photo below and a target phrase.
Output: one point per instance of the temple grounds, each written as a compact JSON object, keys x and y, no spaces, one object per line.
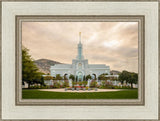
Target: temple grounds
{"x":107,"y":94}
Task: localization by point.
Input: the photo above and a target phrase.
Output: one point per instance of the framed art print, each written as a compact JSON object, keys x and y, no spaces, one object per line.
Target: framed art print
{"x":80,"y":60}
{"x":81,"y":80}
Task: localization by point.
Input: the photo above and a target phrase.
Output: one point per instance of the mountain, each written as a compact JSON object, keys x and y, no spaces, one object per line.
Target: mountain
{"x":44,"y":65}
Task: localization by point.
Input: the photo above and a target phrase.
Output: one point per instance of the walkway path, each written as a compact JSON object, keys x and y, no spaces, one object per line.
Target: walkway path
{"x":63,"y":90}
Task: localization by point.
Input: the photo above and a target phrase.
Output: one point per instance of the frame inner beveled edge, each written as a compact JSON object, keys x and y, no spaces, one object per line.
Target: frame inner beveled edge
{"x":86,"y":102}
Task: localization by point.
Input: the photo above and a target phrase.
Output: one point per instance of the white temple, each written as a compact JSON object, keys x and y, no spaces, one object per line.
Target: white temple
{"x":79,"y":67}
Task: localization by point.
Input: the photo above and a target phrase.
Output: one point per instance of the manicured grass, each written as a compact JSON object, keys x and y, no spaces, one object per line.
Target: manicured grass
{"x":36,"y":94}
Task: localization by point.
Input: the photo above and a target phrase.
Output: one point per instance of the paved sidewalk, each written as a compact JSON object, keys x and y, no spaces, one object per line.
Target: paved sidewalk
{"x":63,"y":90}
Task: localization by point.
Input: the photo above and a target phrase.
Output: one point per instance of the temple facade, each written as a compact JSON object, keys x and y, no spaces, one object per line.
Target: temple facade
{"x":79,"y":67}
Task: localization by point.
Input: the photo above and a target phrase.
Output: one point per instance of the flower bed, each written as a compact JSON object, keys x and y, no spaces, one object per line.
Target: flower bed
{"x":77,"y":88}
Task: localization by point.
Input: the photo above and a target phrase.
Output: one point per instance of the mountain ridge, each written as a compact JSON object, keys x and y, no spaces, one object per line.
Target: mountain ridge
{"x":45,"y":64}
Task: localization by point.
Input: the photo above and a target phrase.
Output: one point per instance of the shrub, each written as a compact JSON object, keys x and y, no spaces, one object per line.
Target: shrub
{"x":39,"y":87}
{"x":123,"y":87}
{"x":73,"y":83}
{"x":45,"y":87}
{"x":56,"y":84}
{"x":51,"y":86}
{"x":48,"y":77}
{"x":80,"y":83}
{"x":93,"y":83}
{"x":87,"y":88}
{"x":108,"y":85}
{"x":78,"y":86}
{"x":84,"y":83}
{"x":66,"y":83}
{"x":103,"y":84}
{"x":126,"y":87}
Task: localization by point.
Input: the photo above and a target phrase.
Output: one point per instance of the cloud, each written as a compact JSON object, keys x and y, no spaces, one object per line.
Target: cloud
{"x":110,"y":43}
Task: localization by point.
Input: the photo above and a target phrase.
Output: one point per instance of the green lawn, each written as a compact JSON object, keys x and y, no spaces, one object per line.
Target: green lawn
{"x":36,"y":94}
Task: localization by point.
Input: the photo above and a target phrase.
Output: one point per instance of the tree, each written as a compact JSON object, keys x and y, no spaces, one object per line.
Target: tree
{"x":30,"y":72}
{"x":58,"y":77}
{"x":95,"y":76}
{"x":88,"y":77}
{"x":84,"y":78}
{"x":133,"y":78}
{"x":123,"y":76}
{"x":129,"y":77}
{"x":65,"y":77}
{"x":54,"y":78}
{"x":42,"y":81}
{"x":102,"y":77}
{"x":38,"y":78}
{"x":105,"y":73}
{"x":48,"y":78}
{"x":72,"y":77}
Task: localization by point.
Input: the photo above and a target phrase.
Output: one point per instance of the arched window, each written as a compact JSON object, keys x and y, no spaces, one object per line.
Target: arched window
{"x":80,"y":66}
{"x":80,"y":76}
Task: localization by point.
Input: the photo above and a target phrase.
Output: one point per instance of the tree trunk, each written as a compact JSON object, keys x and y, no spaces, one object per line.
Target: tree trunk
{"x":132,"y":85}
{"x":122,"y":83}
{"x":29,"y":85}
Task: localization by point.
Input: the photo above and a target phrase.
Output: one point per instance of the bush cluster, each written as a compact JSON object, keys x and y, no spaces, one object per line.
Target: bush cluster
{"x":122,"y":87}
{"x":93,"y":83}
{"x":39,"y":87}
{"x":106,"y":85}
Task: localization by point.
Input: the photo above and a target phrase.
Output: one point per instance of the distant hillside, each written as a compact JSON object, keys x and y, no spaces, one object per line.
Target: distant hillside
{"x":115,"y":72}
{"x":44,"y":65}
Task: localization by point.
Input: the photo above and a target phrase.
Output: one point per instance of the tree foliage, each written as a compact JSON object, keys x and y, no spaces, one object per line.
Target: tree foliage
{"x":102,"y":77}
{"x":72,"y":77}
{"x":58,"y":77}
{"x":123,"y":76}
{"x":94,"y":76}
{"x":88,"y":77}
{"x":129,"y":77}
{"x":133,"y":78}
{"x":48,"y":78}
{"x":30,"y":72}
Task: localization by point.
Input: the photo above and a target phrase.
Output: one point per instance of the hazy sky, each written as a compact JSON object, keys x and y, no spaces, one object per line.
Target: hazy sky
{"x":111,"y":43}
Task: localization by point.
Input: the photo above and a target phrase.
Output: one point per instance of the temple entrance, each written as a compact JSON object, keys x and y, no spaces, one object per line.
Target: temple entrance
{"x":80,"y":76}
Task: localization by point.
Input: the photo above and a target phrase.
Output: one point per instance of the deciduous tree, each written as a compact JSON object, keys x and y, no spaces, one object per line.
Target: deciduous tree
{"x":30,"y":72}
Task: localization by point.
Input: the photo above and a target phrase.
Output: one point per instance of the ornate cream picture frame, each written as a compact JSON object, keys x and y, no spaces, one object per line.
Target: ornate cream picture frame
{"x":146,"y":13}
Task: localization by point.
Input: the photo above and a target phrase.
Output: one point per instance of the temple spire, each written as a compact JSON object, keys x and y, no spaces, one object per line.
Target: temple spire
{"x":79,"y":37}
{"x":80,"y":49}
